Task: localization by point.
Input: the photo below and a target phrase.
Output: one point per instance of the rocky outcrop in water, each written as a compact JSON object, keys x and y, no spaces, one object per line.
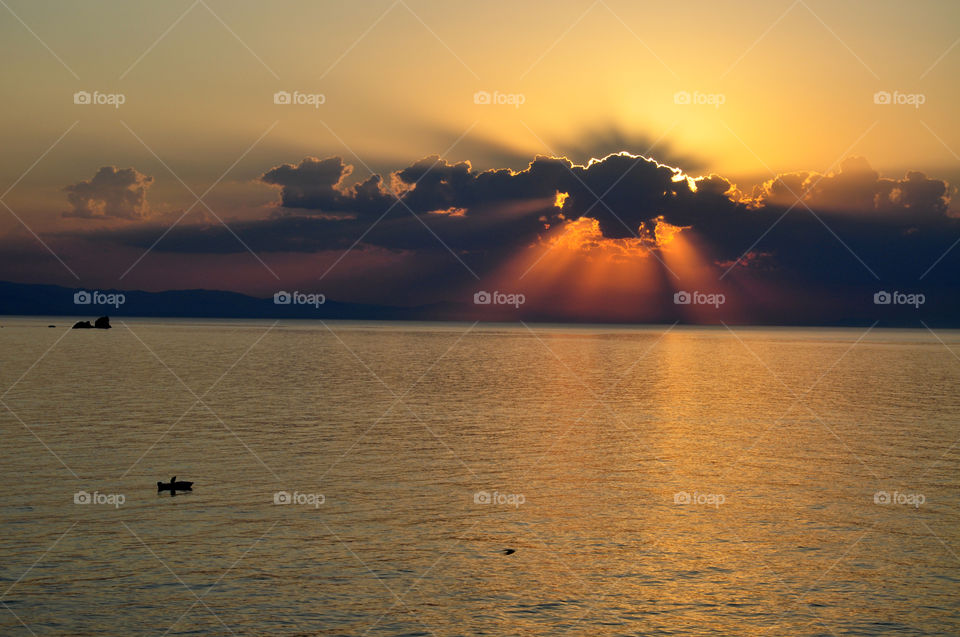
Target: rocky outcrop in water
{"x":102,"y":323}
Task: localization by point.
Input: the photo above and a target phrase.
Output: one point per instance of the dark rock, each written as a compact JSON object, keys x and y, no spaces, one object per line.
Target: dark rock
{"x":102,"y":323}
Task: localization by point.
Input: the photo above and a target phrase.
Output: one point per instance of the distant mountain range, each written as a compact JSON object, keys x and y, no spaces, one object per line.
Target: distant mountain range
{"x":942,"y":309}
{"x":53,"y":300}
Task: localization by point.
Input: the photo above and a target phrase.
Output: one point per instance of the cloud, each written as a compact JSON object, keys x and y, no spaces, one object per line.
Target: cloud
{"x":600,"y":141}
{"x":579,"y":144}
{"x":112,"y":193}
{"x":862,"y":223}
{"x":317,"y":184}
{"x":622,"y":191}
{"x":857,"y":187}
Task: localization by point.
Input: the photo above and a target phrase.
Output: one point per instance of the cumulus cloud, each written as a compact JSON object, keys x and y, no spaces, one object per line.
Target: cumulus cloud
{"x":895,"y":226}
{"x":317,"y":184}
{"x":112,"y":193}
{"x":578,"y":143}
{"x":622,"y":191}
{"x":857,"y":187}
{"x":602,"y":140}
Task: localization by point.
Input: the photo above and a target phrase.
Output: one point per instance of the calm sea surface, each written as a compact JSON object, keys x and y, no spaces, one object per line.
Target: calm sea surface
{"x":651,"y":481}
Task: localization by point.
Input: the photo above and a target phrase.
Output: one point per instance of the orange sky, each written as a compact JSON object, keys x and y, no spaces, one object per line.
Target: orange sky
{"x":746,"y":90}
{"x":797,"y":82}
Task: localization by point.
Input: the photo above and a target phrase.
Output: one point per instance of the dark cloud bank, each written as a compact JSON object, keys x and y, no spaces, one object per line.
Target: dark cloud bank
{"x":853,"y":230}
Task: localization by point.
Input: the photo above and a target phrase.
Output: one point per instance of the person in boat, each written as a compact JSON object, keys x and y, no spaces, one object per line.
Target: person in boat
{"x":173,"y":485}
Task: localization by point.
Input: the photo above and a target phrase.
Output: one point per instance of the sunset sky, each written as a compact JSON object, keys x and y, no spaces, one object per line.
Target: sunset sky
{"x":794,"y":90}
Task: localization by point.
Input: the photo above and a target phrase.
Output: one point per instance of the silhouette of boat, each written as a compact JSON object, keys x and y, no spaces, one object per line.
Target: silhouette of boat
{"x":174,"y":485}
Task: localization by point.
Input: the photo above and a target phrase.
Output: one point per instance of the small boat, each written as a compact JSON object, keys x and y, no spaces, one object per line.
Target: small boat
{"x":174,"y":485}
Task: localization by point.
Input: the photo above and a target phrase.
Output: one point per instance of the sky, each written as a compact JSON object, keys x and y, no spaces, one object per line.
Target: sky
{"x":776,"y":153}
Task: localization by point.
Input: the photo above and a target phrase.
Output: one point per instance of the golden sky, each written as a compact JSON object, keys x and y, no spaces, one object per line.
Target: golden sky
{"x":796,"y":80}
{"x":189,"y":113}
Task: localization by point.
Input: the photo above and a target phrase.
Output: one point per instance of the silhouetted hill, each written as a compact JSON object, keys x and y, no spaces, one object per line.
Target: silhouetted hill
{"x":942,"y":309}
{"x":53,"y":300}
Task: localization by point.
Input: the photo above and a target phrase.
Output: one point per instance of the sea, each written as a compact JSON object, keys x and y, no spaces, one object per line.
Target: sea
{"x":378,"y":478}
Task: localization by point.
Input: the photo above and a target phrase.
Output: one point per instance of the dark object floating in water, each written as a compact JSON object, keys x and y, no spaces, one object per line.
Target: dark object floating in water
{"x":509,"y":551}
{"x":173,"y":485}
{"x":102,"y":323}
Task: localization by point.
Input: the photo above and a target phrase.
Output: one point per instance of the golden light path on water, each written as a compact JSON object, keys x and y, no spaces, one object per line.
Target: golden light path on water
{"x":650,"y":480}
